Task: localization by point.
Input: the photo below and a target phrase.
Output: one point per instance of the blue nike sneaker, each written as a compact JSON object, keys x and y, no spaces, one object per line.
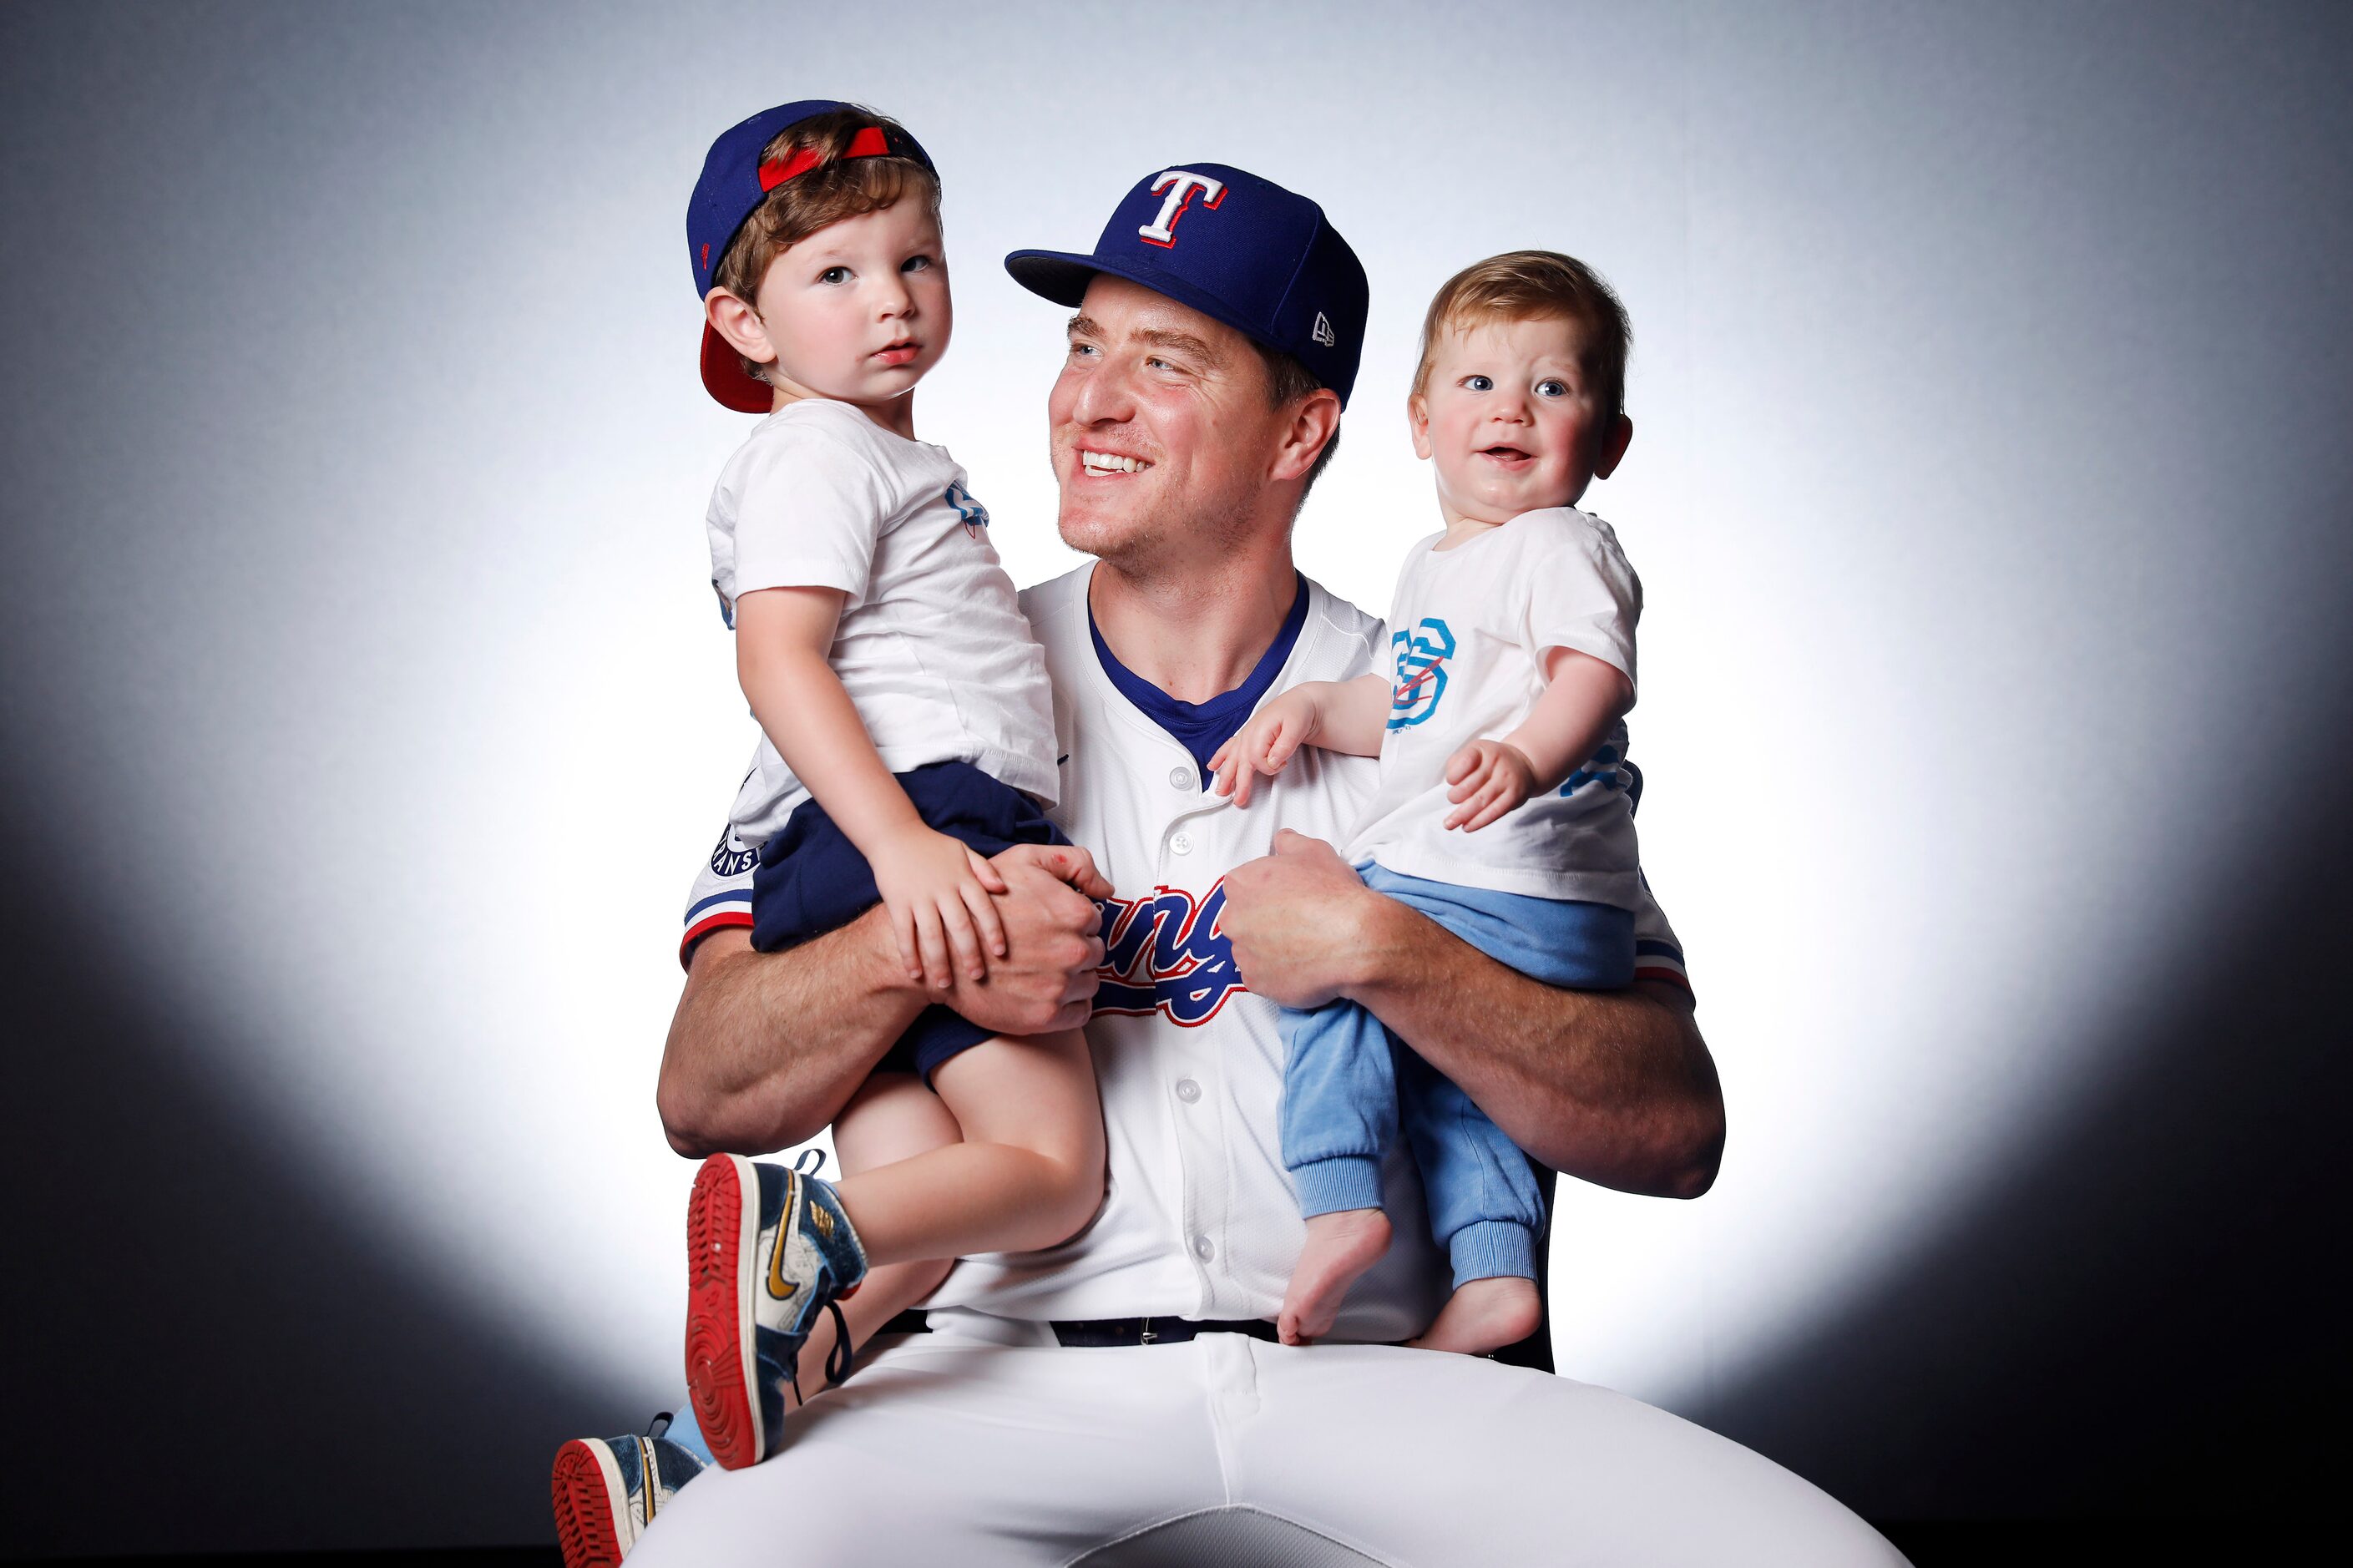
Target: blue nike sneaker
{"x":767,"y":1249}
{"x":607,"y":1490}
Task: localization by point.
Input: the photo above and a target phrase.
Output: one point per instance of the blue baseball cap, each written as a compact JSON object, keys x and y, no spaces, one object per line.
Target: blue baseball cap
{"x":735,"y":182}
{"x":1239,"y":249}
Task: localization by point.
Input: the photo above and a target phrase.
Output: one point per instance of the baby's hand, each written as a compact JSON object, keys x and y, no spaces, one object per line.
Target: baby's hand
{"x":1263,"y":743}
{"x":1490,"y":778}
{"x":936,"y":890}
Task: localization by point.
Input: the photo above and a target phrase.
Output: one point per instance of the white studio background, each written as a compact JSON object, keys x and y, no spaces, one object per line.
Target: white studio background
{"x":390,"y":714}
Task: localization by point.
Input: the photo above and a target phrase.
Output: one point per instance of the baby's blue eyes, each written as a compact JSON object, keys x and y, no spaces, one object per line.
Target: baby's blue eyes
{"x":916,"y":264}
{"x":1549,"y":387}
{"x":834,"y":275}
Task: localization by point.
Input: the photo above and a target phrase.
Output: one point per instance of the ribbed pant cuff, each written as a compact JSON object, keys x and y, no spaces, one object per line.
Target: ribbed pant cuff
{"x":1344,"y":1181}
{"x":1490,"y":1249}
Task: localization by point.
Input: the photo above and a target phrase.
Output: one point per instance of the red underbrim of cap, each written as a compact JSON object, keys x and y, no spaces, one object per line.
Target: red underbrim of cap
{"x":724,"y":378}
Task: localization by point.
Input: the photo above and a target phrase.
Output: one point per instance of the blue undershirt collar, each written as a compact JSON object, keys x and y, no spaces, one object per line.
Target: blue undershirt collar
{"x":1202,"y":727}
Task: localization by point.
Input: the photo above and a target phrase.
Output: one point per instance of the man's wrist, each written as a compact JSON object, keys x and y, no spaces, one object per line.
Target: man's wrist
{"x":880,"y":969}
{"x":1364,"y":932}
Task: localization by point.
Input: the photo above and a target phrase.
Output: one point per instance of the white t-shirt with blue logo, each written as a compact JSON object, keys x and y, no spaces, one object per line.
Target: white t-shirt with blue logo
{"x":932,"y":645}
{"x":1468,"y":629}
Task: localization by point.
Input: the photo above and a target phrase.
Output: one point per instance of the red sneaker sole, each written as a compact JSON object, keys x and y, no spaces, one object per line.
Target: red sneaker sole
{"x":717,"y":1379}
{"x":584,"y":1506}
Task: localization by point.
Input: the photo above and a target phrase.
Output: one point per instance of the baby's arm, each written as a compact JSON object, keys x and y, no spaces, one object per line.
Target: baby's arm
{"x":1337,"y":715}
{"x":935,"y":888}
{"x":1583,"y":697}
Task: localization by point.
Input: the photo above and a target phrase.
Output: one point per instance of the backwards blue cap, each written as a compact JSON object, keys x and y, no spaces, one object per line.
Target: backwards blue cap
{"x":1238,"y":249}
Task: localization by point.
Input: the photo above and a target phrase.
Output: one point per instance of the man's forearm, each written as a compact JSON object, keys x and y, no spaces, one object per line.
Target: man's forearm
{"x":765,"y":1047}
{"x":1615,"y":1088}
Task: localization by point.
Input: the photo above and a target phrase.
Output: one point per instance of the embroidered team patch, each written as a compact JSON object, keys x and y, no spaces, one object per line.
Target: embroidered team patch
{"x":1421,"y":682}
{"x":730,"y":858}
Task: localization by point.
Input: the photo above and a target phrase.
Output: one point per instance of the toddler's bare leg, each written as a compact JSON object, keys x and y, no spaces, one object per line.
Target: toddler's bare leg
{"x":1028,"y":1174}
{"x":1339,"y":1248}
{"x":1484,"y":1315}
{"x":892,"y":1118}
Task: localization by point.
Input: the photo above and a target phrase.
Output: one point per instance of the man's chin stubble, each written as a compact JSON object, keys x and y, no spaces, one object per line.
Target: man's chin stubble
{"x":1155,"y":542}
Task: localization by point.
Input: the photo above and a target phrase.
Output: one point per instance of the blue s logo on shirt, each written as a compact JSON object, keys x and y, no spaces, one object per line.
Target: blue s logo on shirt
{"x":974,"y":515}
{"x":1421,"y":679}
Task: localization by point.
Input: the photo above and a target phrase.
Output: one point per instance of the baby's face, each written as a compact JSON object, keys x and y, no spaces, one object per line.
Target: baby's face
{"x":860,"y":311}
{"x":1507,"y":419}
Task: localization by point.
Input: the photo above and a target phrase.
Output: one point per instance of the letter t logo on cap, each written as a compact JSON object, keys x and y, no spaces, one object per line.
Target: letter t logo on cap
{"x":1178,"y":185}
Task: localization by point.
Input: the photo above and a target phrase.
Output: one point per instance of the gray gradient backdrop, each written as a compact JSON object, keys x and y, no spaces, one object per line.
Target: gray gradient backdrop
{"x":365,"y":710}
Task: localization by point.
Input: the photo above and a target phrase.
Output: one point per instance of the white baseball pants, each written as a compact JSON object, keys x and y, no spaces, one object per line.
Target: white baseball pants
{"x":1230,"y":1450}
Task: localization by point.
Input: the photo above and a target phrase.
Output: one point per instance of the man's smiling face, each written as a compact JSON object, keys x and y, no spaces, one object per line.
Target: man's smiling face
{"x":1162,"y":433}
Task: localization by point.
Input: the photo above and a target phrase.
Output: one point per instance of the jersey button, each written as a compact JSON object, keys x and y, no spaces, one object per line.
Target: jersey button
{"x":1181,"y":845}
{"x":1180,"y":778}
{"x":1202,"y":1248}
{"x":1187,"y":1091}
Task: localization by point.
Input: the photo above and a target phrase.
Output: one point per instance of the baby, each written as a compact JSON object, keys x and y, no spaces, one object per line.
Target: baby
{"x":908,"y":735}
{"x":1503,"y":810}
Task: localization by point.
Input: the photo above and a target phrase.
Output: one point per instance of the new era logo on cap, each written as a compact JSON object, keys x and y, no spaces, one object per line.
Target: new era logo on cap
{"x":1237,"y":248}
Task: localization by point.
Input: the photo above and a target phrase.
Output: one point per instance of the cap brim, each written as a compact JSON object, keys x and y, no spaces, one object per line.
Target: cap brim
{"x":1063,"y":278}
{"x":1057,"y":274}
{"x":724,"y":378}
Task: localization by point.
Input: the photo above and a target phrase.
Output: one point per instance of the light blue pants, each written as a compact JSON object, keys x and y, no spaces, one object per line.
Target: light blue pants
{"x":1348,"y":1083}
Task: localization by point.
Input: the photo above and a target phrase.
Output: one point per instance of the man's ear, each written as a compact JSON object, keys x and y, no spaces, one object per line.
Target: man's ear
{"x":1612,"y":449}
{"x":740,"y":325}
{"x":1315,"y":424}
{"x":1417,"y":418}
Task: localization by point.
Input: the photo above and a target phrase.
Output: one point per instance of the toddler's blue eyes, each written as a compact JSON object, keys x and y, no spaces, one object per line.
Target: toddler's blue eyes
{"x":916,"y":264}
{"x":1553,"y":388}
{"x":833,"y":274}
{"x":1478,"y":383}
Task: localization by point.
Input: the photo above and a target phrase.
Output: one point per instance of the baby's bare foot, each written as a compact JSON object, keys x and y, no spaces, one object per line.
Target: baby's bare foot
{"x":1484,"y":1315}
{"x":1340,"y":1246}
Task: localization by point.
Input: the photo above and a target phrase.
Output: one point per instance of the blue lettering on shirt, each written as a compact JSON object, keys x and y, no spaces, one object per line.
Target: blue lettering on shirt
{"x":1166,"y":955}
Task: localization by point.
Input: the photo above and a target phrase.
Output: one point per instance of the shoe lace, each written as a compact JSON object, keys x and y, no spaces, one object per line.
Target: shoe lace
{"x":838,"y":1360}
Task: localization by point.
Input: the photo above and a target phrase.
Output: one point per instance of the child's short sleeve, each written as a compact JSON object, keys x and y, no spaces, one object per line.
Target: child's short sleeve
{"x":1582,"y":592}
{"x":808,"y":510}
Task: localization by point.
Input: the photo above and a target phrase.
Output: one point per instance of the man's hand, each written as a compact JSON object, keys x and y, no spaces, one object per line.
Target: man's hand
{"x":1296,"y":920}
{"x":1053,"y":944}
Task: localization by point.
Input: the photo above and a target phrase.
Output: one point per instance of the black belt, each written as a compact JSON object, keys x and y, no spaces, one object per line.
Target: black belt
{"x":1097,"y":1333}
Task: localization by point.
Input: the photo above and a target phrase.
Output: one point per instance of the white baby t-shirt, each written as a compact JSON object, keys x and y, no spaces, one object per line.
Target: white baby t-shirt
{"x":1468,"y":628}
{"x":932,"y":645}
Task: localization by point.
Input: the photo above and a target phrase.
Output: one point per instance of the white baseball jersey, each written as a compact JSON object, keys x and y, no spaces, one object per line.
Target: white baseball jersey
{"x":932,"y":645}
{"x":1200,"y":1220}
{"x":1470,"y":626}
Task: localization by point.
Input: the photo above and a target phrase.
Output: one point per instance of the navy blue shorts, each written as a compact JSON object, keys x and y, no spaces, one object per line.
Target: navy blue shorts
{"x":811,"y":879}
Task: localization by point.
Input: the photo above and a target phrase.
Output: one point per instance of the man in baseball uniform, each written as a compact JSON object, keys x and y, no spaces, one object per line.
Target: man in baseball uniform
{"x":1120,"y":1399}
